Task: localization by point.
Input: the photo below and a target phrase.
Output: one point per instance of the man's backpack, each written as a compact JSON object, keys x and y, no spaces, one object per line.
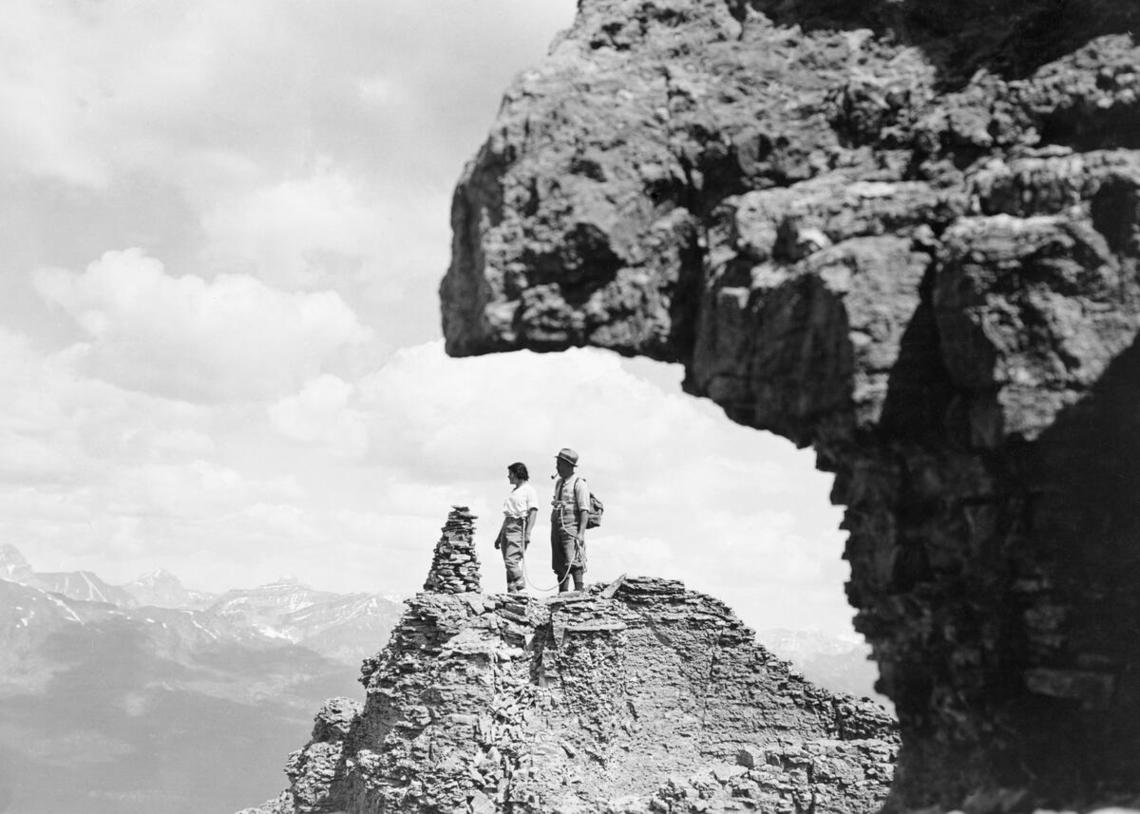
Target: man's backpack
{"x":594,"y":513}
{"x":594,"y":510}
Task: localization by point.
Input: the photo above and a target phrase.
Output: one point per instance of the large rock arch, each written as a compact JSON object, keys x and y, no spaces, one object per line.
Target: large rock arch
{"x":908,"y":238}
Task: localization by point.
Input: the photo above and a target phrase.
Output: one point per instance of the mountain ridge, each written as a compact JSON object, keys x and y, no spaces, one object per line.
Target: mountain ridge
{"x":622,"y":698}
{"x":152,"y":708}
{"x":284,"y":609}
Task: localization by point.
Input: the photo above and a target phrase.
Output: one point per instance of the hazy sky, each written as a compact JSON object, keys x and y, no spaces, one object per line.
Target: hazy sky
{"x":223,"y":231}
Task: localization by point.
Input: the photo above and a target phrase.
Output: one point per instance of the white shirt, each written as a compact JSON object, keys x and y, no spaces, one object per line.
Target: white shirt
{"x":521,"y":500}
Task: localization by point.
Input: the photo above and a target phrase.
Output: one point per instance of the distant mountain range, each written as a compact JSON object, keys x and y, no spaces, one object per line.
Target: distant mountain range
{"x":73,"y":584}
{"x":840,"y":664}
{"x":334,"y":625}
{"x":152,"y":697}
{"x":163,"y":589}
{"x":344,"y":627}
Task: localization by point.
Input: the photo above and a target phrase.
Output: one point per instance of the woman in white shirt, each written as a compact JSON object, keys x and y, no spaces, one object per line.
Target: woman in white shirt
{"x":520,"y":510}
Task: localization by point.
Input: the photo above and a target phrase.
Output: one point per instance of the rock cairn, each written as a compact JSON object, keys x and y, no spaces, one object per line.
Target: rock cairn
{"x":455,"y":566}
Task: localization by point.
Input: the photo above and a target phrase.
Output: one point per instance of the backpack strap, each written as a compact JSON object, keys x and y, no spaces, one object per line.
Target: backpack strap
{"x":574,"y":492}
{"x":573,"y":481}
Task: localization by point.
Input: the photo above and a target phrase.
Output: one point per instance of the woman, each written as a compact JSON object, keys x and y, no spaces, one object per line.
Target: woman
{"x":519,"y":512}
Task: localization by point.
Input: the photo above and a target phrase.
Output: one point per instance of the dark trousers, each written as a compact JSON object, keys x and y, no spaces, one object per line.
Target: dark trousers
{"x":567,"y":553}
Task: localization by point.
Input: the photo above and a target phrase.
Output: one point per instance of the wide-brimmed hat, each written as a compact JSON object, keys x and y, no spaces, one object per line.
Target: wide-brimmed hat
{"x":568,"y":455}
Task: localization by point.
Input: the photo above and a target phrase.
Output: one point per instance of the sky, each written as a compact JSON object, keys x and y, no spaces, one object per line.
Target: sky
{"x":222,"y":237}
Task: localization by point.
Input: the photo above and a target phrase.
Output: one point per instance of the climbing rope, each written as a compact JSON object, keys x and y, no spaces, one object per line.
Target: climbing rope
{"x":566,"y":576}
{"x":577,"y":558}
{"x":569,"y":567}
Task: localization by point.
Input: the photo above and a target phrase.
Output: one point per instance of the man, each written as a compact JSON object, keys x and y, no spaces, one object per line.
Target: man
{"x":568,"y":523}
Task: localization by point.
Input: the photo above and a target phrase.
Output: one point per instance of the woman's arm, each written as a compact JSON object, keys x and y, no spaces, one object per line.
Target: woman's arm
{"x":502,"y":531}
{"x":531,"y":517}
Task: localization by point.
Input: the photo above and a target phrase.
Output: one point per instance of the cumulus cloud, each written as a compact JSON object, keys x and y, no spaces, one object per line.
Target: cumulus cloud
{"x":38,"y":441}
{"x":94,"y":475}
{"x":320,"y":413}
{"x":94,"y":89}
{"x":33,"y":460}
{"x":304,"y":144}
{"x":461,"y":416}
{"x":195,"y":490}
{"x":299,"y":231}
{"x":228,"y":339}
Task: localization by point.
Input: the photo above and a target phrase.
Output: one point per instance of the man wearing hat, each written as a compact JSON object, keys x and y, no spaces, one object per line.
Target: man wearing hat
{"x":568,"y":522}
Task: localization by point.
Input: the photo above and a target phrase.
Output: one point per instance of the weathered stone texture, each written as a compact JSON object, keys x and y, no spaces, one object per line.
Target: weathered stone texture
{"x":316,"y":772}
{"x":636,"y":697}
{"x":907,"y":234}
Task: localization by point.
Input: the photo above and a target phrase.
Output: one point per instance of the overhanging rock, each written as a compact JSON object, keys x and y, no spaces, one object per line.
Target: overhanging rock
{"x":907,"y":237}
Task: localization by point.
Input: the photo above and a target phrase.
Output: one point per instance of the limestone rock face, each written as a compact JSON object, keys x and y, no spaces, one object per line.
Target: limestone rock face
{"x":905,"y":233}
{"x":636,"y":697}
{"x":316,"y":772}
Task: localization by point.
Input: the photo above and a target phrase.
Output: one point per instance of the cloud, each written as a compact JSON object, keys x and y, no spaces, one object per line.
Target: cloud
{"x":232,"y":338}
{"x":689,"y":495}
{"x":298,"y":231}
{"x":38,"y":445}
{"x":348,"y":481}
{"x":180,"y":441}
{"x":193,"y":491}
{"x":95,"y":89}
{"x":308,"y":145}
{"x":320,"y":413}
{"x":467,"y":416}
{"x":32,"y":460}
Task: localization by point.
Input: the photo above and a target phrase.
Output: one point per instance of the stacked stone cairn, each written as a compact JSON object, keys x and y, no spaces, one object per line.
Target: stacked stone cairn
{"x":455,"y":566}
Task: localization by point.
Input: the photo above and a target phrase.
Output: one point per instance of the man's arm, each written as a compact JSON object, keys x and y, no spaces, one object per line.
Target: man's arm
{"x":583,"y":515}
{"x":582,"y":497}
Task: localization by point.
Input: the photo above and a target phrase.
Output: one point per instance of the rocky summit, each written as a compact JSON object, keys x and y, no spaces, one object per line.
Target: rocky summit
{"x":907,"y":234}
{"x":635,"y":696}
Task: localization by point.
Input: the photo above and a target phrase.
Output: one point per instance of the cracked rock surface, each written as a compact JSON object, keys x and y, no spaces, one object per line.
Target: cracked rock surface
{"x":636,"y":697}
{"x":905,"y":233}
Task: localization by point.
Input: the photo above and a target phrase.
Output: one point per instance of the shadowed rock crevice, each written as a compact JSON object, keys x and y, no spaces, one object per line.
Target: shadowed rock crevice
{"x":1011,"y":39}
{"x":905,"y":234}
